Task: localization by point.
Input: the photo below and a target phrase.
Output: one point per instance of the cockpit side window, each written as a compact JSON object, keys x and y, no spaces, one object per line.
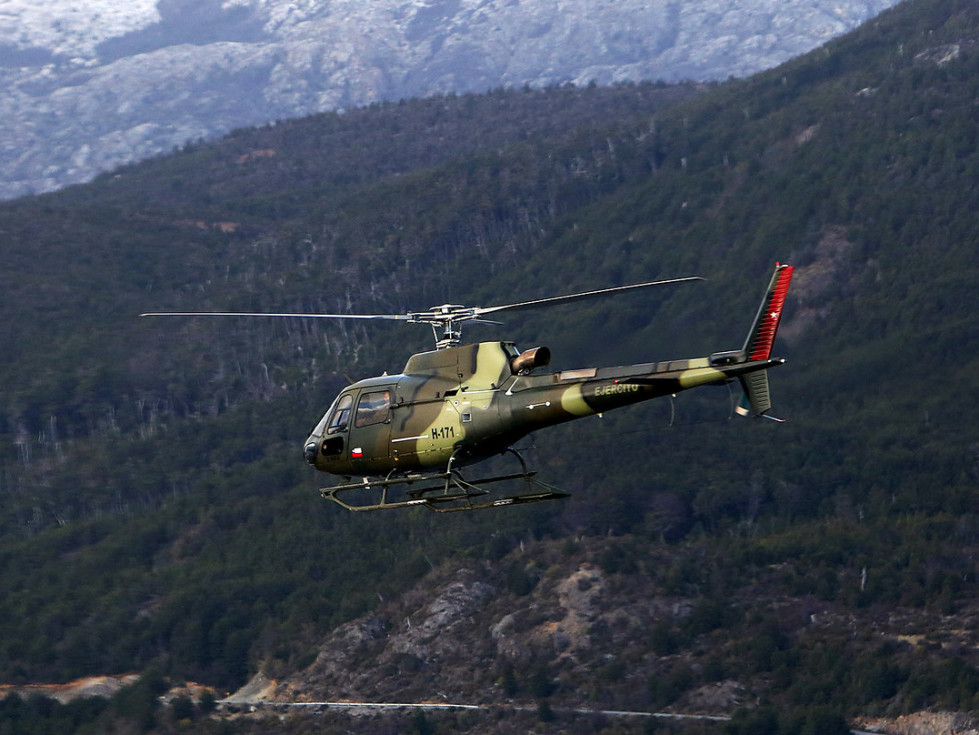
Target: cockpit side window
{"x":373,"y":408}
{"x":341,"y":414}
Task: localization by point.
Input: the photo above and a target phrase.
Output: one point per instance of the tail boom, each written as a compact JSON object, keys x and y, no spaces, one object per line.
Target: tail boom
{"x":537,"y":401}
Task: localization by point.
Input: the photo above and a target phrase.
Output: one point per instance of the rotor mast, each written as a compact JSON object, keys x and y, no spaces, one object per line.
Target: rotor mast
{"x":446,"y":322}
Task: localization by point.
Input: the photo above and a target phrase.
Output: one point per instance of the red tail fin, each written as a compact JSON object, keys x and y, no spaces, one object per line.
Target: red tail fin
{"x":757,"y":398}
{"x":758,"y":346}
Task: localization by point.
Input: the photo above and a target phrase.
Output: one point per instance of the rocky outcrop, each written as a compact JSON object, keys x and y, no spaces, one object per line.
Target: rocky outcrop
{"x":91,"y":686}
{"x":375,"y":657}
{"x":923,"y":723}
{"x":462,"y":634}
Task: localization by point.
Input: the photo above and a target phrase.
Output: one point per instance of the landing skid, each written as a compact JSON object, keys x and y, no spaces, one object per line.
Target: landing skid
{"x":445,"y":492}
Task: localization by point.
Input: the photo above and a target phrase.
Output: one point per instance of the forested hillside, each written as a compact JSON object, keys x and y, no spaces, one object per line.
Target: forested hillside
{"x":156,"y":510}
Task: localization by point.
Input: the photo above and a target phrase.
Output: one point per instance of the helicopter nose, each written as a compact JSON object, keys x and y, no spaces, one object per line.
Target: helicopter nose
{"x":310,"y":453}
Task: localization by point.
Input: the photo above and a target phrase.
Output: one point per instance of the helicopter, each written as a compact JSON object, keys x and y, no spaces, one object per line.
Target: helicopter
{"x":408,"y":436}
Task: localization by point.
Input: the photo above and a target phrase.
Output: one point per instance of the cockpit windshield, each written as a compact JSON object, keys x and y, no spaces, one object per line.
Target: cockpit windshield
{"x":341,"y":414}
{"x":321,"y":426}
{"x":336,"y":417}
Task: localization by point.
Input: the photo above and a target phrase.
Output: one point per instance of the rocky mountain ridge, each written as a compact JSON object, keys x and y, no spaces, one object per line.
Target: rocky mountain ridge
{"x":87,"y":89}
{"x":568,"y":623}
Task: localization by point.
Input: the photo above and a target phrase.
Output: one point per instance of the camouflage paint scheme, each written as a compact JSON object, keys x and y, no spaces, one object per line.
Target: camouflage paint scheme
{"x":469,"y":402}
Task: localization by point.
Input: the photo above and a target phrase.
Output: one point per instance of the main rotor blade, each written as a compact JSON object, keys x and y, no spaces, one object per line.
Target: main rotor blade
{"x":581,"y":296}
{"x":397,"y":317}
{"x":450,"y":317}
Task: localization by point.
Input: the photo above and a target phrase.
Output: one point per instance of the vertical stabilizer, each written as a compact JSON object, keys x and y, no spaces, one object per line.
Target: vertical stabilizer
{"x":757,"y":397}
{"x":758,"y":346}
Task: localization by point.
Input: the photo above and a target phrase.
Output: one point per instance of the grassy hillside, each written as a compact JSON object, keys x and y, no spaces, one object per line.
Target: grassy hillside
{"x":155,"y":507}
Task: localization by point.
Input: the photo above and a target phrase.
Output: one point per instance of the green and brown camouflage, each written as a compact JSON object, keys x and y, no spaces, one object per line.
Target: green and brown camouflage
{"x":460,"y":404}
{"x":465,"y":403}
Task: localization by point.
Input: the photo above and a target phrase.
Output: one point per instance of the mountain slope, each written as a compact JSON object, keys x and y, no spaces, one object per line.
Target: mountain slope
{"x":155,"y":504}
{"x":87,"y":88}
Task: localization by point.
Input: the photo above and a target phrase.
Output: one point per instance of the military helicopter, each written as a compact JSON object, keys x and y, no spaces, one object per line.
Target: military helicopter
{"x":460,"y":404}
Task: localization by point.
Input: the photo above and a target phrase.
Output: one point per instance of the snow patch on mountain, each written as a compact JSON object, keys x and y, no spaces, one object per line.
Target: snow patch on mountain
{"x":71,"y":28}
{"x":86,"y":86}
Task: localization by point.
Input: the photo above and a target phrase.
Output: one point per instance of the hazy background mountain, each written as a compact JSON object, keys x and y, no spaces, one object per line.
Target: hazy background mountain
{"x":88,"y":86}
{"x":156,"y":513}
